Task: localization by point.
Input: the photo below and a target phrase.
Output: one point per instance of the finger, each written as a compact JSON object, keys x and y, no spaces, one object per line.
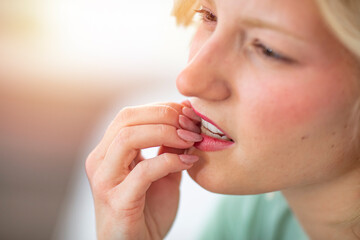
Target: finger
{"x":167,"y":113}
{"x":176,"y":106}
{"x":188,"y":124}
{"x":190,"y":113}
{"x":148,"y":171}
{"x":130,"y":140}
{"x":185,"y":122}
{"x":177,"y":151}
{"x":164,"y":149}
{"x":186,"y":103}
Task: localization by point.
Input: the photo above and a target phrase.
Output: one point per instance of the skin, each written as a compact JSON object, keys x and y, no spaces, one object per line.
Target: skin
{"x":137,"y":198}
{"x":288,"y":116}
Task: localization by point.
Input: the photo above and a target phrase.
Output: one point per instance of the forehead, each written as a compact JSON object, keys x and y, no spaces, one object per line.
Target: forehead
{"x":294,"y":15}
{"x":245,"y":5}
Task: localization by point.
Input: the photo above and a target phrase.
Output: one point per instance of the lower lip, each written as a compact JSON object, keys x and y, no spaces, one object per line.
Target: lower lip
{"x":210,"y":144}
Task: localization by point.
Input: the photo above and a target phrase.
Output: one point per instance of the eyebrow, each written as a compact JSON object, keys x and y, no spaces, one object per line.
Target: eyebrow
{"x":258,"y":23}
{"x":210,"y":2}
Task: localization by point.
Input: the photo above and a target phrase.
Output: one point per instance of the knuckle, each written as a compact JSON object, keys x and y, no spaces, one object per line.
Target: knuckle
{"x":88,"y":167}
{"x":123,"y":136}
{"x":144,"y":167}
{"x":165,"y":130}
{"x":168,"y":158}
{"x":90,"y":164}
{"x":167,"y":112}
{"x":125,"y":114}
{"x":164,"y":111}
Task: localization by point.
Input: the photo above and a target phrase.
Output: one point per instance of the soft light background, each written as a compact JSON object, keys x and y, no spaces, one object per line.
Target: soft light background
{"x":66,"y":68}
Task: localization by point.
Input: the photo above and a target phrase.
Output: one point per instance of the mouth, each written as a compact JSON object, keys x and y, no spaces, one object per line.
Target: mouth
{"x":214,"y":138}
{"x":212,"y":131}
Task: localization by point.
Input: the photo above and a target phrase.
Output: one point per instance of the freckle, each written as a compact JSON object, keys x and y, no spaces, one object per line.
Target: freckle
{"x":304,"y":137}
{"x":332,"y":146}
{"x":333,"y":133}
{"x":345,"y":126}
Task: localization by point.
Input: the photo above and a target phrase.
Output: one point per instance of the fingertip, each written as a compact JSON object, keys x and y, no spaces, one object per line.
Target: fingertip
{"x":187,"y":124}
{"x":189,"y":159}
{"x":189,"y":136}
{"x":186,"y":103}
{"x":190,"y":113}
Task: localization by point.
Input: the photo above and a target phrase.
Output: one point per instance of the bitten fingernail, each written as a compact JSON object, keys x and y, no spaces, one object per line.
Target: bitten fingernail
{"x":188,"y":159}
{"x":187,"y":124}
{"x":189,"y":136}
{"x":189,"y":112}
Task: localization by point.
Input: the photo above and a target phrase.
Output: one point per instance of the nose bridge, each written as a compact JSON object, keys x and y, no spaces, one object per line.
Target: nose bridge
{"x":215,"y":51}
{"x":207,"y":74}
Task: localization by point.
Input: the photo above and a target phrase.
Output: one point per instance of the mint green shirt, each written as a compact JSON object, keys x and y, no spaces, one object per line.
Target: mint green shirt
{"x":253,"y":217}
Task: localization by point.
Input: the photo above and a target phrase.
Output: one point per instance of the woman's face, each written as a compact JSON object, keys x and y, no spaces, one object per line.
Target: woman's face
{"x":278,"y":83}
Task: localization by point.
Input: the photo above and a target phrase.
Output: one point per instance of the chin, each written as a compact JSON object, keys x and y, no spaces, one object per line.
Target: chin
{"x":203,"y":172}
{"x":212,"y":174}
{"x":215,"y":180}
{"x":206,"y":178}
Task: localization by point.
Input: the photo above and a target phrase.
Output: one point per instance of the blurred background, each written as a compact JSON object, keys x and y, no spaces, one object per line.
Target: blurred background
{"x":66,"y":68}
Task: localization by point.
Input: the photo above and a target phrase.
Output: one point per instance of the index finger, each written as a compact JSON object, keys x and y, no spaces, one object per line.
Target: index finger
{"x":155,"y":113}
{"x":176,"y":106}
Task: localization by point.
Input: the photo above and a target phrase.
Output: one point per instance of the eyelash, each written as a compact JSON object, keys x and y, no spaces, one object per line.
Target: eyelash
{"x":270,"y":53}
{"x":209,"y":17}
{"x":206,"y":15}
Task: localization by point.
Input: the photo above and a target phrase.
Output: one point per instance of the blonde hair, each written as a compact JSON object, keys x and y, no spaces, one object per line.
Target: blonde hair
{"x":184,"y":11}
{"x":343,"y":18}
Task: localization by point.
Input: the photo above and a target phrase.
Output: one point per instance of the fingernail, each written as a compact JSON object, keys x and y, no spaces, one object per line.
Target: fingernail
{"x":187,"y":124}
{"x":188,"y":159}
{"x":189,"y":112}
{"x":189,"y":136}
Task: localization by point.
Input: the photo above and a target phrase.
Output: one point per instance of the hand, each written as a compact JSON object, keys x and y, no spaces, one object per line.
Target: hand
{"x":137,"y":198}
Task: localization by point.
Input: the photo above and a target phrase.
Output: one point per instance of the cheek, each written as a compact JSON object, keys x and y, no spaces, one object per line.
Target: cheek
{"x":290,"y":103}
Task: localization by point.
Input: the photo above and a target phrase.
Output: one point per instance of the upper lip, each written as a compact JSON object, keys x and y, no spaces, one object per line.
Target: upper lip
{"x":210,"y":121}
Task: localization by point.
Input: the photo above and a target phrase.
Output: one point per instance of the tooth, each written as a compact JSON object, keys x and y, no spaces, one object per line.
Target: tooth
{"x":207,"y":132}
{"x":210,"y":130}
{"x":211,"y":127}
{"x":214,"y":129}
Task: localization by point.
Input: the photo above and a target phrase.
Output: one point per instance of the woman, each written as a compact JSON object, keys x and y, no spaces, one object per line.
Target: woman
{"x":274,"y":106}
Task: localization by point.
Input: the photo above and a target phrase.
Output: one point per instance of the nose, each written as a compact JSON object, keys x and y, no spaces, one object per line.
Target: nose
{"x":207,"y":74}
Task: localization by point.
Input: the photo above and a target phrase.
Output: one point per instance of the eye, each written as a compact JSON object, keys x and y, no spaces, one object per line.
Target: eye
{"x":206,"y":15}
{"x":270,"y":53}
